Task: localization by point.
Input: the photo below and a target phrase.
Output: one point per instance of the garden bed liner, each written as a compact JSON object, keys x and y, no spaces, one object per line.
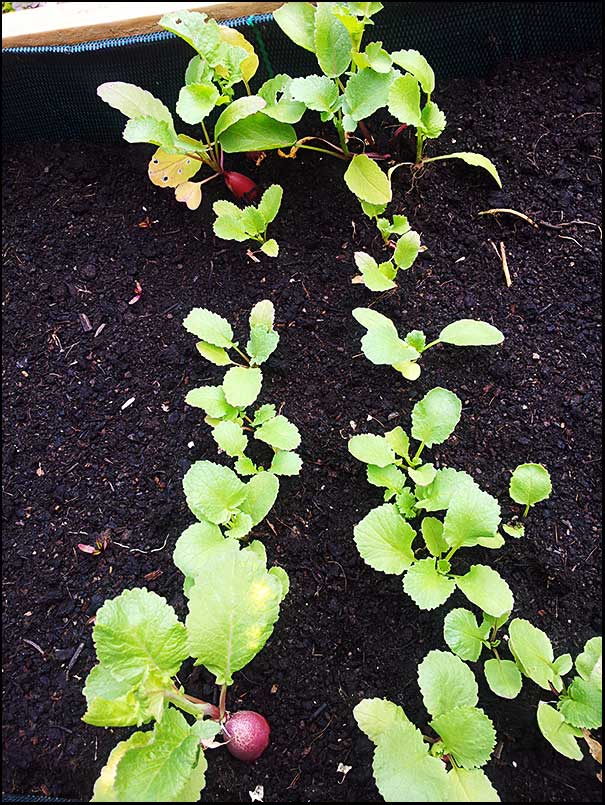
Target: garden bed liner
{"x":82,"y":223}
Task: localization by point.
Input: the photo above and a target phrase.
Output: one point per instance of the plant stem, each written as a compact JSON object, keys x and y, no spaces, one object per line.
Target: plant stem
{"x":191,"y":705}
{"x":418,"y":452}
{"x":419,"y":144}
{"x":324,"y":151}
{"x":431,"y":344}
{"x":526,"y":511}
{"x":241,"y":354}
{"x":222,"y":702}
{"x":450,"y":553}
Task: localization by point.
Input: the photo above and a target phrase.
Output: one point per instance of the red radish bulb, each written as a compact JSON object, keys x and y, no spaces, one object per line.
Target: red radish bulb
{"x":248,"y":734}
{"x":241,"y":186}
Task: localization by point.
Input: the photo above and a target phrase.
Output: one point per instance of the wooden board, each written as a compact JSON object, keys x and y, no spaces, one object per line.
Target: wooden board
{"x":72,"y":23}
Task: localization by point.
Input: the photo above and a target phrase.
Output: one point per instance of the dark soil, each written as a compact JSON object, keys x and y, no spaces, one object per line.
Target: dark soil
{"x":82,"y":224}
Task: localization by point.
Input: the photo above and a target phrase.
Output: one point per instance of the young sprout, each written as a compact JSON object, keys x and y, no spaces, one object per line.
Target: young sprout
{"x":233,"y":223}
{"x":383,"y":346}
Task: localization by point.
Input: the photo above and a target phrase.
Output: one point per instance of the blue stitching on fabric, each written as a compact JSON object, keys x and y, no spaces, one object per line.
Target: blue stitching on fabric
{"x":125,"y":41}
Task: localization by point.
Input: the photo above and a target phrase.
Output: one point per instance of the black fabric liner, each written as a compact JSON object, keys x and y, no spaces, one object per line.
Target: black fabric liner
{"x":51,"y":96}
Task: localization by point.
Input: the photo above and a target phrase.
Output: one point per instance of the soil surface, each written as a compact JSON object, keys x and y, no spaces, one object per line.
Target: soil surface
{"x":82,"y":224}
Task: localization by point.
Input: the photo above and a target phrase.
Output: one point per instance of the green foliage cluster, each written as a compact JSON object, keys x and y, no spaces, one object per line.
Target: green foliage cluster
{"x":233,"y":598}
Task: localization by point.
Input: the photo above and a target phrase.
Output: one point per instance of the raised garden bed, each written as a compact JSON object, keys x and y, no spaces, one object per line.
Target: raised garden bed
{"x":81,"y":225}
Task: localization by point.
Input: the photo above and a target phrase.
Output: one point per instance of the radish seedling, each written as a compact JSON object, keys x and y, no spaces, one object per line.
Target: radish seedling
{"x":233,"y":223}
{"x":405,"y":104}
{"x":381,"y":276}
{"x":410,"y":766}
{"x":578,"y":706}
{"x":215,"y":494}
{"x":413,"y":489}
{"x":233,"y":604}
{"x":383,"y":346}
{"x":224,"y":60}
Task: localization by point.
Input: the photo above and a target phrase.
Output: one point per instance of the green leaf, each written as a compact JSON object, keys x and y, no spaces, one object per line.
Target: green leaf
{"x":210,"y":327}
{"x":376,"y":57}
{"x":333,"y":43}
{"x":270,"y":203}
{"x":257,"y":132}
{"x":384,"y":540}
{"x":463,"y":634}
{"x":468,"y":735}
{"x":261,"y":494}
{"x":230,"y":227}
{"x":284,"y":109}
{"x":239,"y":526}
{"x":216,"y":355}
{"x":404,"y":100}
{"x":317,"y":92}
{"x":114,"y":702}
{"x":446,"y":682}
{"x":503,"y":678}
{"x":557,"y":732}
{"x":432,"y":533}
{"x":589,"y":663}
{"x":447,"y":485}
{"x":563,"y":664}
{"x":422,"y":476}
{"x":280,"y":433}
{"x":582,"y":705}
{"x":137,"y":632}
{"x":198,"y":71}
{"x":263,"y":413}
{"x":433,"y":121}
{"x":435,"y":416}
{"x":425,"y":586}
{"x":414,"y":63}
{"x":529,"y":484}
{"x":213,"y":492}
{"x":252,"y":221}
{"x":516,"y":530}
{"x":485,"y":588}
{"x":238,"y":110}
{"x":389,"y":477}
{"x":133,"y":101}
{"x":533,"y":651}
{"x":472,"y":515}
{"x":406,"y":250}
{"x":233,"y":606}
{"x":372,"y":210}
{"x":477,"y":160}
{"x":196,"y":101}
{"x":297,"y":21}
{"x":399,"y":441}
{"x":282,"y":577}
{"x":470,"y":785}
{"x":196,"y":29}
{"x":371,"y":449}
{"x":150,"y":130}
{"x":231,"y":438}
{"x":160,"y":769}
{"x":405,"y":503}
{"x":365,"y":92}
{"x":246,"y":466}
{"x":471,"y":333}
{"x":212,"y":400}
{"x":375,"y":717}
{"x":104,"y":786}
{"x":382,"y":345}
{"x":194,"y":546}
{"x":367,"y":181}
{"x":286,"y":463}
{"x":373,"y":277}
{"x":262,"y":344}
{"x":242,"y":385}
{"x":404,"y":770}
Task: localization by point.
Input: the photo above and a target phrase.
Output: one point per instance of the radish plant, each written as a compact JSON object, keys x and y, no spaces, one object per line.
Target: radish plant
{"x":381,"y":276}
{"x":405,"y":102}
{"x":529,"y":484}
{"x":415,"y":490}
{"x":233,"y":604}
{"x":383,"y":346}
{"x":215,"y":493}
{"x":578,"y":705}
{"x":233,"y":223}
{"x":225,"y":60}
{"x":410,"y":766}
